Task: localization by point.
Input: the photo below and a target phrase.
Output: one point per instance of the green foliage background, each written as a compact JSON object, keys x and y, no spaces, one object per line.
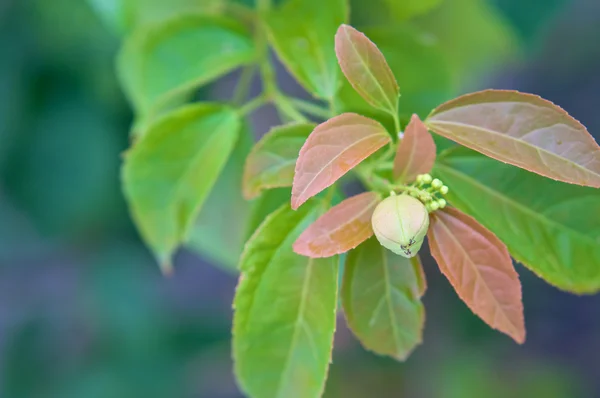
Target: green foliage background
{"x":85,"y":313}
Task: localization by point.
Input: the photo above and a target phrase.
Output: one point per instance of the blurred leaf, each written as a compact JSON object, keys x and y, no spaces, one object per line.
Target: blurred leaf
{"x":419,"y":66}
{"x":342,"y":228}
{"x":472,"y":35}
{"x":62,"y":175}
{"x":523,"y":130}
{"x":380,"y":296}
{"x":366,"y":69}
{"x":265,"y":204}
{"x":416,"y":152}
{"x":478,"y":266}
{"x":272,"y":160}
{"x":553,"y":228}
{"x":302,"y":33}
{"x":169,"y":172}
{"x":219,"y":230}
{"x":161,"y":62}
{"x":406,"y":9}
{"x":332,"y":149}
{"x":285,"y":308}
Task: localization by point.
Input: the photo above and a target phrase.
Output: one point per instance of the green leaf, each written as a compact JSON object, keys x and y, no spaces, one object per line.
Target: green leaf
{"x":302,"y":33}
{"x":273,"y":159}
{"x":332,"y":149}
{"x":406,"y":9}
{"x":472,"y":35}
{"x":366,"y":69}
{"x":220,"y":229}
{"x":523,"y":130}
{"x":419,"y":66}
{"x":160,"y":63}
{"x":267,"y":203}
{"x":552,"y":228}
{"x":285,"y":311}
{"x":170,"y":171}
{"x":381,"y":299}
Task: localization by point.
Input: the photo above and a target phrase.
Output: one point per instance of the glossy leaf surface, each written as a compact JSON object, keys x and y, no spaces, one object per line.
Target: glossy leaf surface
{"x":331,"y":150}
{"x":302,"y":33}
{"x":159,"y":63}
{"x":219,"y":230}
{"x":416,"y":152}
{"x":285,"y":309}
{"x":478,"y":266}
{"x":366,"y":69}
{"x":380,"y":296}
{"x":523,"y":130}
{"x":551,"y":227}
{"x":168,"y":173}
{"x":273,"y":159}
{"x":342,"y":228}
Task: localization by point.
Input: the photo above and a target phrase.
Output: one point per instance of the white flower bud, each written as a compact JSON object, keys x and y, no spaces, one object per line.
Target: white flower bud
{"x":400,"y":224}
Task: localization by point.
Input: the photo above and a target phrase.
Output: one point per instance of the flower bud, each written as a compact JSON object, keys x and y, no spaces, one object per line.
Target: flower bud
{"x":400,"y":224}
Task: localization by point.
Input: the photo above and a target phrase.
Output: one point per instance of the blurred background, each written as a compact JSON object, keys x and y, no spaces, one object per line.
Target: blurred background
{"x":84,"y":310}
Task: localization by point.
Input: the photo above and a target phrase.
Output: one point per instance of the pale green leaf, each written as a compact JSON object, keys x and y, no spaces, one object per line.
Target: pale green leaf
{"x":285,"y":311}
{"x":219,"y":230}
{"x":162,"y":62}
{"x":170,"y":171}
{"x":273,"y":159}
{"x":302,"y":33}
{"x":553,"y":228}
{"x":381,"y":299}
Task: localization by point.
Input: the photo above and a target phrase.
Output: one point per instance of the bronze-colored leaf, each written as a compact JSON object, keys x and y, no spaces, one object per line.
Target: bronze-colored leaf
{"x":342,"y":228}
{"x":523,"y":130}
{"x":416,"y":152}
{"x":478,"y":266}
{"x":331,"y":150}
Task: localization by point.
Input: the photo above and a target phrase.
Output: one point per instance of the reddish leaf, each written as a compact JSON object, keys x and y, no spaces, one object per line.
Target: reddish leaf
{"x":366,"y":69}
{"x":416,"y":152}
{"x":420,"y":274}
{"x":271,"y":162}
{"x":478,"y":266}
{"x":523,"y":130}
{"x":342,"y":228}
{"x":331,"y":150}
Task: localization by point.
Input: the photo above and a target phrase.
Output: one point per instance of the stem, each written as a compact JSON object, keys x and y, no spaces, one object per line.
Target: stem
{"x":243,"y":86}
{"x":310,"y":108}
{"x":253,"y":104}
{"x":285,"y":106}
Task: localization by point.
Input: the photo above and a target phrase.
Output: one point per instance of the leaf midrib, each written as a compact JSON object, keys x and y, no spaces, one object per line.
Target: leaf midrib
{"x":511,"y":138}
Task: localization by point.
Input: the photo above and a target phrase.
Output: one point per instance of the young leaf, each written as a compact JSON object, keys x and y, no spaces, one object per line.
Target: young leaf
{"x":523,"y":130}
{"x":302,"y":33}
{"x":219,"y":230}
{"x":380,"y":297}
{"x":478,"y":266}
{"x":551,"y":227}
{"x":272,"y":160}
{"x":416,"y":61}
{"x":160,"y":63}
{"x":285,"y":311}
{"x":170,"y":171}
{"x":342,"y":228}
{"x":416,"y":152}
{"x":331,"y":150}
{"x":366,"y":69}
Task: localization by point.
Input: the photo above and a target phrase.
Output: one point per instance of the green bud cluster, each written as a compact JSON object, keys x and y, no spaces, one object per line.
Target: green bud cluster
{"x":428,"y":189}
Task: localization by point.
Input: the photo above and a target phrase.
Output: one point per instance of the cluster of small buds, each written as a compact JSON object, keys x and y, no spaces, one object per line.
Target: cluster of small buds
{"x":428,"y":189}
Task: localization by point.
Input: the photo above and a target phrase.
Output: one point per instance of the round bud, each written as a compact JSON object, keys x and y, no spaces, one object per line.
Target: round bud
{"x":437,"y":184}
{"x":419,"y":178}
{"x":444,"y":190}
{"x":400,"y":224}
{"x":434,"y":206}
{"x":442,"y":203}
{"x":426,"y":178}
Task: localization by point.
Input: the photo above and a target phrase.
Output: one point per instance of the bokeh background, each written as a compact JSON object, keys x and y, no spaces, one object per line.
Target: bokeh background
{"x":84,"y":311}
